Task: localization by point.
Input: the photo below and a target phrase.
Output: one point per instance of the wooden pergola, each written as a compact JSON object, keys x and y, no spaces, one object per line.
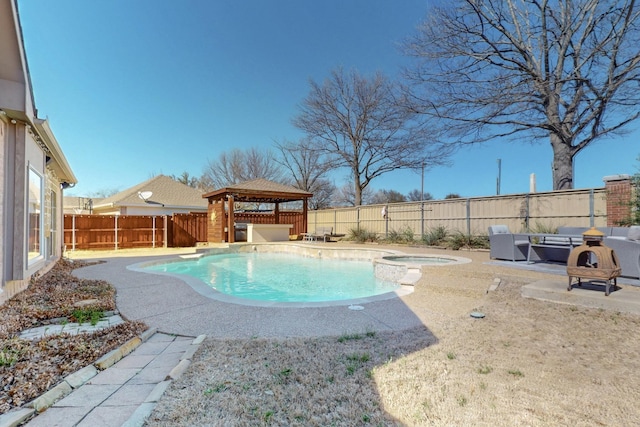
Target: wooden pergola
{"x":222,"y":216}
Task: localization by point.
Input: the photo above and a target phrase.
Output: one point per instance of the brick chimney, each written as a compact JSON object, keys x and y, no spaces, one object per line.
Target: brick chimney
{"x":619,"y":190}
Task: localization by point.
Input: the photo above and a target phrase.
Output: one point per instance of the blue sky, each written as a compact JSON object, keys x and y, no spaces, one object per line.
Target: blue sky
{"x":136,"y":88}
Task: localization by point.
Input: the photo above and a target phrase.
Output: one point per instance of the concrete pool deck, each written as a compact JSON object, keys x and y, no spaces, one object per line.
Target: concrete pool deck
{"x":170,"y":305}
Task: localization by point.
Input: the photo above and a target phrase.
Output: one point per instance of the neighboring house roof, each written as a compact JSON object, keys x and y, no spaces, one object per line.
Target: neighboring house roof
{"x":260,"y":190}
{"x":165,"y":192}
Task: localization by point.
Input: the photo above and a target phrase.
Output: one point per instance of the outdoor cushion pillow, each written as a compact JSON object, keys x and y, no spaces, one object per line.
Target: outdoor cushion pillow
{"x":634,"y":233}
{"x":499,"y":229}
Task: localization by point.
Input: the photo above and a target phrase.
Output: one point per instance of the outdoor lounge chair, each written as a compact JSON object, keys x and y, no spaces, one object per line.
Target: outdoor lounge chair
{"x":506,"y":245}
{"x":320,"y":233}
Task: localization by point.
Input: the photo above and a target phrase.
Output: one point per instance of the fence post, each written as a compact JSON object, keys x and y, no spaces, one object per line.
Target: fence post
{"x":468,"y":217}
{"x":527,"y":213}
{"x":358,"y":218}
{"x":421,"y":220}
{"x":116,"y":231}
{"x":592,"y":219}
{"x":335,"y":221}
{"x":385,"y":209}
{"x":164,"y":234}
{"x":73,"y":233}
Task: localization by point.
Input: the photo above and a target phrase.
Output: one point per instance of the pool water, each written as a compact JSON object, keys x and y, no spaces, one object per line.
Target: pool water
{"x":282,"y":277}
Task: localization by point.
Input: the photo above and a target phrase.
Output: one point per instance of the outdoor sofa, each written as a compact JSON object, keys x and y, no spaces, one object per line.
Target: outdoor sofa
{"x":625,"y":242}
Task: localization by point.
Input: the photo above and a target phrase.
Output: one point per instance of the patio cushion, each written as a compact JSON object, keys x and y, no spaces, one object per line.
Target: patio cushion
{"x":498,"y":229}
{"x":634,"y":233}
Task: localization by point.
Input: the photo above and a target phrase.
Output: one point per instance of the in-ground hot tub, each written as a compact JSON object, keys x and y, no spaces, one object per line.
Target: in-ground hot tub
{"x":407,"y":269}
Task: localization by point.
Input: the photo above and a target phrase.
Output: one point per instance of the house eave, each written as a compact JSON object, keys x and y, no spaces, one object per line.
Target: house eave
{"x":60,"y":161}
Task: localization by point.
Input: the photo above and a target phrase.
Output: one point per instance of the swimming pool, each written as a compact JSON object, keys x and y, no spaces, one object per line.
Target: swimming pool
{"x":282,"y":277}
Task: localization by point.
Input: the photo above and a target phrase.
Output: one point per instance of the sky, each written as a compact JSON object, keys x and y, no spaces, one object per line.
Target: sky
{"x":137,"y":88}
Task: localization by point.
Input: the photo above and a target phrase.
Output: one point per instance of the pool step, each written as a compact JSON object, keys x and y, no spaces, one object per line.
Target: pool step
{"x":412,"y":276}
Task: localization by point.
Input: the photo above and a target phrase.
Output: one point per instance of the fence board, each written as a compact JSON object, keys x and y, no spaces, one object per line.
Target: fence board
{"x":83,"y":232}
{"x":188,"y":229}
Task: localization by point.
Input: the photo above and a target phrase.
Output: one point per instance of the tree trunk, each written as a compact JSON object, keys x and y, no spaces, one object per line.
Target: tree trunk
{"x":562,"y":163}
{"x":358,"y":192}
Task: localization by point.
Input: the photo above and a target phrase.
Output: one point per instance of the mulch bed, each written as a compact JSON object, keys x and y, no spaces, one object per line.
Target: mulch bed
{"x":28,"y":368}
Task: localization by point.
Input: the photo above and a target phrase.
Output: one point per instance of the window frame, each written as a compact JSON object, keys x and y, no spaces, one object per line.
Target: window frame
{"x":34,"y":217}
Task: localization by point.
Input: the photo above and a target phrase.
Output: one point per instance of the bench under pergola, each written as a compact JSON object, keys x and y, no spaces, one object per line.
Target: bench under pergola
{"x":223,"y":219}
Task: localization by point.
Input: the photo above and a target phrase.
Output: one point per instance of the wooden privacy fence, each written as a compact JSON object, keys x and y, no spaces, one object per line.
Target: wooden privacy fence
{"x":185,"y":230}
{"x":133,"y":231}
{"x":471,"y":216}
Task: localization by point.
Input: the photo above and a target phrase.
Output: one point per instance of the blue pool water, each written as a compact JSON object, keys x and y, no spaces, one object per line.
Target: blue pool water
{"x":282,"y":277}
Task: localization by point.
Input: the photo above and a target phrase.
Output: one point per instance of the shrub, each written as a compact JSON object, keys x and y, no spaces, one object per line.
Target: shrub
{"x":436,"y":236}
{"x":362,"y":235}
{"x":543,"y":228}
{"x":460,"y":240}
{"x":393,"y":237}
{"x":403,"y":236}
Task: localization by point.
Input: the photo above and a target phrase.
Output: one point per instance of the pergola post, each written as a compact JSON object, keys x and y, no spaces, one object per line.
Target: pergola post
{"x":304,"y":214}
{"x":276,"y":212}
{"x":231,"y":229}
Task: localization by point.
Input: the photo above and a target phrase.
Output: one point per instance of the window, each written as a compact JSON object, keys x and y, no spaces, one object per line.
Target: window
{"x":51,"y":220}
{"x":34,"y":213}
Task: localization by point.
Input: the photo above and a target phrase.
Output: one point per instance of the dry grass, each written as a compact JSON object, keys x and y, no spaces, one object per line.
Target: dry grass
{"x":293,"y":382}
{"x":527,"y":363}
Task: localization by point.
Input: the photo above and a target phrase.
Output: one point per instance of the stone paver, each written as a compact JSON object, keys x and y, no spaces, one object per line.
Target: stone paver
{"x":123,"y":394}
{"x":88,"y":395}
{"x":113,"y":416}
{"x":71,"y":328}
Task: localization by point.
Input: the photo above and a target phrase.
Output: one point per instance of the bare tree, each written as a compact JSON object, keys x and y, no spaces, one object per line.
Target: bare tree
{"x":103,"y":193}
{"x":362,"y":124}
{"x":346,"y":196}
{"x":387,"y":196}
{"x":187,"y":179}
{"x":414,"y":196}
{"x":567,"y":70}
{"x":308,"y":169}
{"x":239,"y":166}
